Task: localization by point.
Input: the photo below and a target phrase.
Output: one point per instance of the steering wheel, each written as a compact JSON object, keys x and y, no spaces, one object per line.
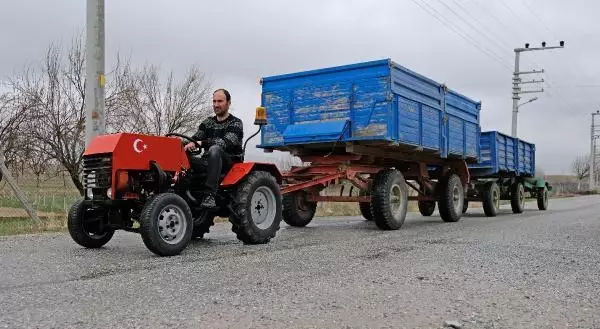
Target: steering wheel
{"x":198,"y":151}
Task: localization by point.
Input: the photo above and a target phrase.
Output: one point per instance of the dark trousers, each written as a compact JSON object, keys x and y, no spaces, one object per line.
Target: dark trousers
{"x":214,"y":162}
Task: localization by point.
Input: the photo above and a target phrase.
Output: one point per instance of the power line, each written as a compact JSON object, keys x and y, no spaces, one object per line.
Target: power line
{"x":435,"y":14}
{"x":469,"y":23}
{"x":491,"y":33}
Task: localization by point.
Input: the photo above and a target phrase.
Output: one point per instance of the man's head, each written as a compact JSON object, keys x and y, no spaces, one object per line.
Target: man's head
{"x":221,"y":102}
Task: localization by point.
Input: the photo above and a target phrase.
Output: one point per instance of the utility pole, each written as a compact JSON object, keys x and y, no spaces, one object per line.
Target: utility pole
{"x":517,"y":81}
{"x":95,"y":121}
{"x":594,"y":136}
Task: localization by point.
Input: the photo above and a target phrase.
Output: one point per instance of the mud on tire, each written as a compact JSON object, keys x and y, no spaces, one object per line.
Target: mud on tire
{"x":82,"y":229}
{"x":256,"y":214}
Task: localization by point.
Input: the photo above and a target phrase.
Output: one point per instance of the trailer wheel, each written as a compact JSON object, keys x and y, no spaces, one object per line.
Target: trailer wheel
{"x":542,"y":198}
{"x":365,"y":207}
{"x":465,"y":207}
{"x":426,"y":208}
{"x":517,"y":198}
{"x":297,"y":210}
{"x":85,"y":227}
{"x":256,"y":215}
{"x":452,"y":198}
{"x":203,"y":226}
{"x":491,"y":199}
{"x":389,"y":199}
{"x":166,"y":224}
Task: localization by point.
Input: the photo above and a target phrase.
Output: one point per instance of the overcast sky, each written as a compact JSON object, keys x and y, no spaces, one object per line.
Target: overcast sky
{"x":237,"y":42}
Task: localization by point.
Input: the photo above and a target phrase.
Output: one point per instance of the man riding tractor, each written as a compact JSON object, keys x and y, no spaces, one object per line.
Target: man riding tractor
{"x":173,"y":195}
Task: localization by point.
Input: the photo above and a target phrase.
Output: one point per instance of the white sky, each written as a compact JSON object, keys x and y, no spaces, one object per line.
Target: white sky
{"x":237,"y":42}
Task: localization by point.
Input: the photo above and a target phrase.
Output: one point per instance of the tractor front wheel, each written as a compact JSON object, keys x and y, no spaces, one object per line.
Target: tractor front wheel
{"x":256,"y":214}
{"x":166,"y":224}
{"x":86,"y":227}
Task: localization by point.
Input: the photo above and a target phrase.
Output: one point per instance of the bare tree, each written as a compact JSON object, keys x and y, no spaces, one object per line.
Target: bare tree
{"x":153,"y":106}
{"x":11,"y":119}
{"x":54,"y":96}
{"x":581,"y":168}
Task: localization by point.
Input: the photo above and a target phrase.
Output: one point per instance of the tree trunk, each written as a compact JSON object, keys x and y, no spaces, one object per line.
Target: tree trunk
{"x":75,"y":178}
{"x":578,"y":185}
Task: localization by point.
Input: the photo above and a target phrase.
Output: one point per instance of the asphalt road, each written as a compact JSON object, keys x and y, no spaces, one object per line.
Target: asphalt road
{"x":534,"y":270}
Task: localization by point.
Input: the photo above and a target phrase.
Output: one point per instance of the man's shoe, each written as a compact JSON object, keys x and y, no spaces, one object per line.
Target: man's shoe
{"x":209,"y":202}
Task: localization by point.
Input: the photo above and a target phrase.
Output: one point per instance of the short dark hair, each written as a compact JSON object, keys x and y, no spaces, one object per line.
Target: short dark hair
{"x":227,"y":95}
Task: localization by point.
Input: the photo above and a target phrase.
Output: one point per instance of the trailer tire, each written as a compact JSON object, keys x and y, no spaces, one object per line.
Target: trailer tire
{"x":161,"y":213}
{"x":256,"y":215}
{"x":465,"y":206}
{"x":452,"y":198}
{"x":297,"y":211}
{"x":517,"y":198}
{"x":365,"y":207}
{"x":80,"y":232}
{"x":426,"y":208}
{"x":491,"y":199}
{"x":203,"y":227}
{"x":542,"y":198}
{"x":389,"y":186}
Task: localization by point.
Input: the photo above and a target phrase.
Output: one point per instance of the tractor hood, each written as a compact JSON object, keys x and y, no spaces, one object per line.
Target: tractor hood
{"x":135,"y":151}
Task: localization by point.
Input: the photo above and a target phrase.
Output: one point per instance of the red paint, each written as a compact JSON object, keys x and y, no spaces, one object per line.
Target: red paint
{"x":237,"y":173}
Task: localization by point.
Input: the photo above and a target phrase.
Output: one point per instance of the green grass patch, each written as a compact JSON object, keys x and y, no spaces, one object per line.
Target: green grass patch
{"x":24,"y":225}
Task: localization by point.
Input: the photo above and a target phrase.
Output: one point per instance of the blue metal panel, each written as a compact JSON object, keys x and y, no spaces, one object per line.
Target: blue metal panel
{"x":502,"y":154}
{"x":383,"y":102}
{"x":315,"y":132}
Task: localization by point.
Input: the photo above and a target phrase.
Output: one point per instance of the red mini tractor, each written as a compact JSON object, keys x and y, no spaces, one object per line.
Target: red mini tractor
{"x":145,"y":184}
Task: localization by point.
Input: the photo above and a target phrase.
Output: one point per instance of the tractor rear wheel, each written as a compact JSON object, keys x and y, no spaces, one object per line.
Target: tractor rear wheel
{"x":85,"y":226}
{"x":426,"y":208}
{"x":389,"y":199}
{"x":256,"y":214}
{"x":297,"y":210}
{"x":166,"y":224}
{"x":452,"y":198}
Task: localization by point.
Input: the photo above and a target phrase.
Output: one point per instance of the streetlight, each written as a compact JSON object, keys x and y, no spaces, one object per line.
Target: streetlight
{"x":529,"y":101}
{"x":517,"y":80}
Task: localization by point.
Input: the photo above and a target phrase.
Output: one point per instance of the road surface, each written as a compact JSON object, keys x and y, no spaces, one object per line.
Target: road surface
{"x":534,"y":270}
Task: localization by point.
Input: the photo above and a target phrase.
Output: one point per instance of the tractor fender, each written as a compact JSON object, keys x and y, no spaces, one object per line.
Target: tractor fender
{"x":239,"y":171}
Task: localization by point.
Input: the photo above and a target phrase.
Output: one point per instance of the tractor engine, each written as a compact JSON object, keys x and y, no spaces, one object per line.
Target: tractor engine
{"x":131,"y":166}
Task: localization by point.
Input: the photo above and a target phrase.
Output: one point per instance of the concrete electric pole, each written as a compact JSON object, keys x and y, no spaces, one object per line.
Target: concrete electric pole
{"x":95,"y":121}
{"x":517,"y":81}
{"x":594,"y":136}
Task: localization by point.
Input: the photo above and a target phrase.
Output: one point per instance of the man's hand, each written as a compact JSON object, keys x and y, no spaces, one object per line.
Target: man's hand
{"x":191,"y":146}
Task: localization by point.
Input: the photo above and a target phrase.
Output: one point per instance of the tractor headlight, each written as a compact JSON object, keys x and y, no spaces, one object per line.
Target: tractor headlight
{"x":89,"y":193}
{"x":109,"y":193}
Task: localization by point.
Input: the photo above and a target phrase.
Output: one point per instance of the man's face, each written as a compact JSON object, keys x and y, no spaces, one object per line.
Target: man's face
{"x":220,"y":103}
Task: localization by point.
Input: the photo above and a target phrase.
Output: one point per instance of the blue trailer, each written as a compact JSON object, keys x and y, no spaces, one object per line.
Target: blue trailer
{"x":505,"y":171}
{"x":378,"y":125}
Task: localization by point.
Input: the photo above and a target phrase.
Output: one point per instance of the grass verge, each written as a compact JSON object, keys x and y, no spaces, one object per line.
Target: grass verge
{"x":24,"y":225}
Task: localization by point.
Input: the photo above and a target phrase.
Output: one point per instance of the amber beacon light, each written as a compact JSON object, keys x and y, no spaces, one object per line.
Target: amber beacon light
{"x":260,"y":117}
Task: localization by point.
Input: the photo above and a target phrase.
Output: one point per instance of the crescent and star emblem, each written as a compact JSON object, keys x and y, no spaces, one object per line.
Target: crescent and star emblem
{"x":136,"y":146}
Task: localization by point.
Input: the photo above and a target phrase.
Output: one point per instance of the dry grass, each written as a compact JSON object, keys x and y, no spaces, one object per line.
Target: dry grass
{"x":24,"y":225}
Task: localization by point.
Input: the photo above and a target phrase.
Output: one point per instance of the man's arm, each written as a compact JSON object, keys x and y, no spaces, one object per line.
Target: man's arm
{"x":201,"y":133}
